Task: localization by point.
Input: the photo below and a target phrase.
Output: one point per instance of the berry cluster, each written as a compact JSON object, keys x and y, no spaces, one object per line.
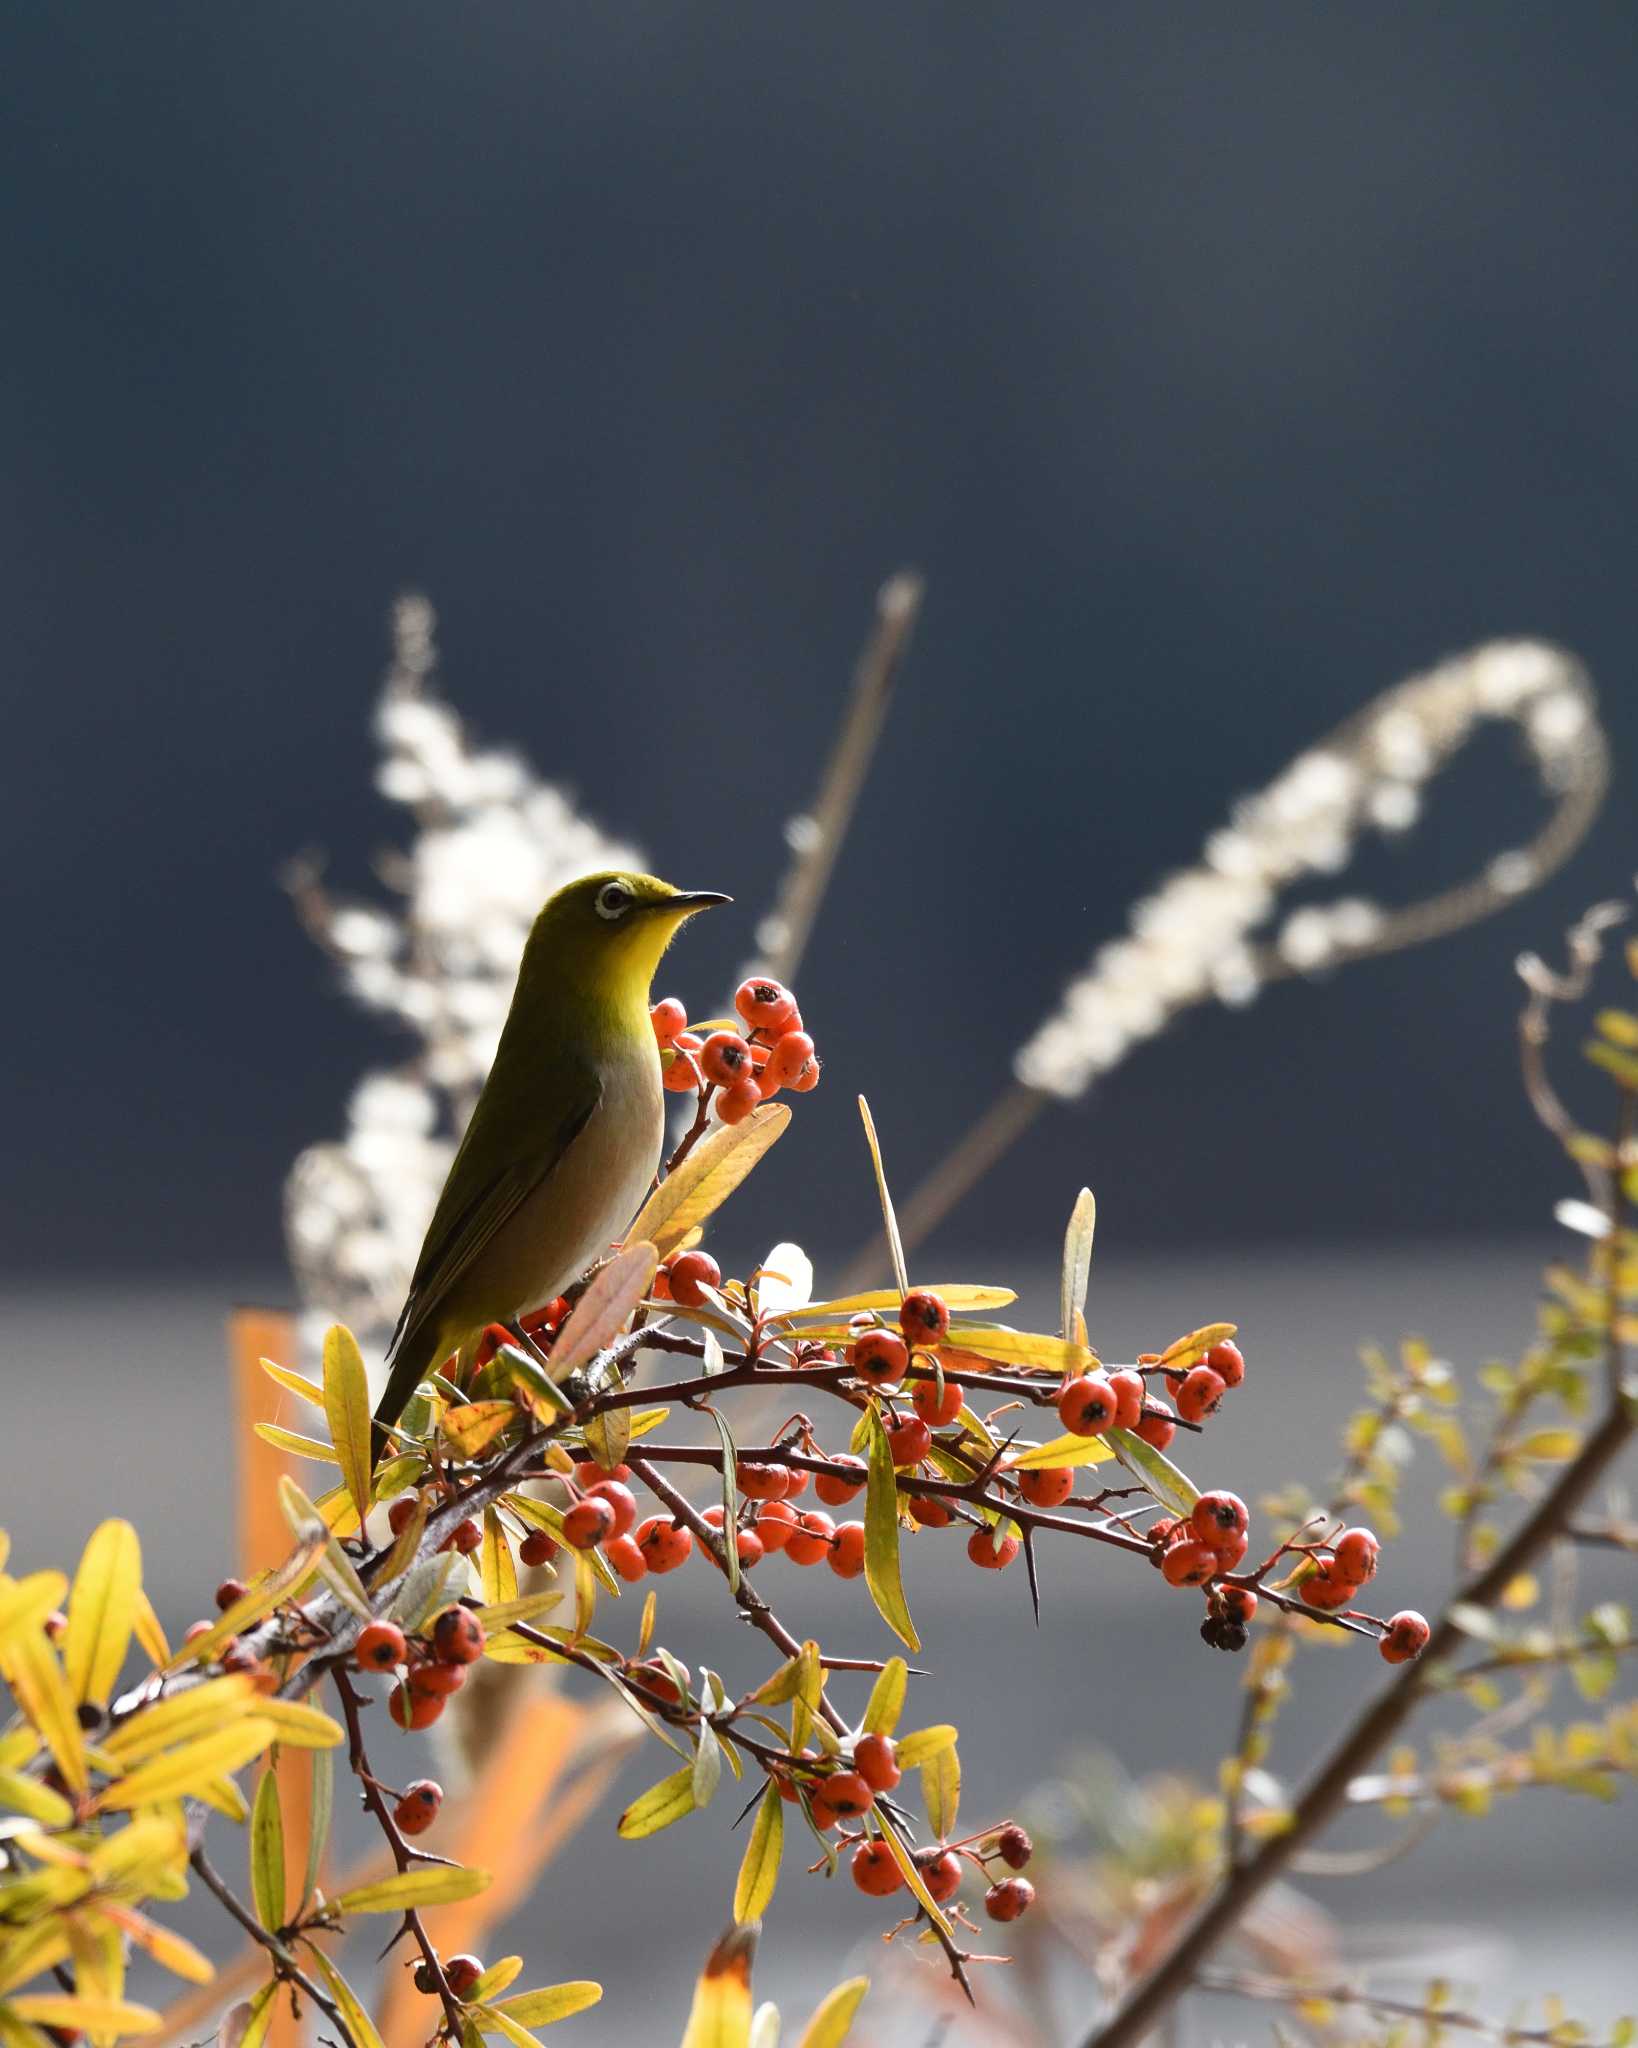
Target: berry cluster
{"x":745,"y":1066}
{"x":433,"y":1663}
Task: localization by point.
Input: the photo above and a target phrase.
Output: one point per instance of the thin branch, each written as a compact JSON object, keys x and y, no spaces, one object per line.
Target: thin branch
{"x":283,"y":1958}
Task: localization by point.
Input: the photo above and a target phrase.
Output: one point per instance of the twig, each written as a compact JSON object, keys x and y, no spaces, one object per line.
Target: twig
{"x":284,"y":1960}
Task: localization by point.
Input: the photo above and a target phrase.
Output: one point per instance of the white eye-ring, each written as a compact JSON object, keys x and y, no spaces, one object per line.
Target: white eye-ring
{"x":613,"y":900}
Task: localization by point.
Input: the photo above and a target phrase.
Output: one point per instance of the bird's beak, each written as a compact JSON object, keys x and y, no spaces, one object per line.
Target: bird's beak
{"x":693,"y":899}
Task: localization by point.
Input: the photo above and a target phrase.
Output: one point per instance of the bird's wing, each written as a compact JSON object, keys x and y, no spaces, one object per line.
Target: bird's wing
{"x":469,"y":1214}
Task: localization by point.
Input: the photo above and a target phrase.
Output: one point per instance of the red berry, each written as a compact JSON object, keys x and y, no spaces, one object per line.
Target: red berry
{"x":879,"y":1357}
{"x":767,"y":1006}
{"x":229,"y":1591}
{"x":418,"y":1808}
{"x":621,"y":1499}
{"x":461,"y":1973}
{"x":537,"y":1548}
{"x":1199,"y":1394}
{"x":791,"y":1064}
{"x":623,"y":1553}
{"x":1326,"y":1590}
{"x":909,"y":1441}
{"x":923,"y":1317}
{"x":457,"y":1637}
{"x":848,"y":1794}
{"x":835,"y":1491}
{"x":400,"y":1513}
{"x":940,"y":1872}
{"x":1047,"y":1487}
{"x":1163,"y":1531}
{"x":413,"y":1709}
{"x":1407,"y":1636}
{"x":811,"y":1539}
{"x":927,"y":1511}
{"x":1155,"y":1425}
{"x":1220,"y":1519}
{"x":807,"y":1080}
{"x":1189,"y":1564}
{"x":876,"y":1763}
{"x":1013,"y":1846}
{"x":588,"y":1473}
{"x":1008,"y":1899}
{"x":681,"y":1075}
{"x":773,"y":1522}
{"x":588,"y":1523}
{"x":1237,"y":1604}
{"x":875,"y":1869}
{"x":735,"y":1104}
{"x":1355,"y":1553}
{"x":1230,"y":1551}
{"x":660,"y":1682}
{"x":380,"y":1647}
{"x":1129,"y":1392}
{"x":1086,"y":1407}
{"x":442,"y":1679}
{"x":747,"y":1547}
{"x":465,"y":1537}
{"x":664,"y":1543}
{"x":1228,"y":1362}
{"x":725,"y":1059}
{"x":935,"y":1409}
{"x":824,"y":1814}
{"x":690,"y":1274}
{"x":847,"y":1553}
{"x":668,"y":1018}
{"x":761,"y":1482}
{"x":989,"y":1553}
{"x":796,"y":1481}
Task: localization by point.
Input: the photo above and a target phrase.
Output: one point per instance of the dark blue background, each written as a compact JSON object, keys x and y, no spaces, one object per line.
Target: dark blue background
{"x":1217,"y":366}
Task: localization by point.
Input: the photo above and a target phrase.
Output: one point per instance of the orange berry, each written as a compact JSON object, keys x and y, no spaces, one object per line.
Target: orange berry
{"x":380,"y":1647}
{"x":1407,"y":1636}
{"x":1128,"y":1390}
{"x":626,"y":1558}
{"x":1326,"y":1590}
{"x":494,"y":1336}
{"x":1228,"y":1362}
{"x":621,"y":1499}
{"x":835,"y":1491}
{"x":790,"y":1064}
{"x":660,"y":1682}
{"x":418,"y":1808}
{"x":537,"y":1548}
{"x":690,"y":1273}
{"x":875,"y":1869}
{"x":924,"y":1317}
{"x":824,"y":1814}
{"x":1086,"y":1407}
{"x":990,"y":1553}
{"x":848,"y":1794}
{"x":1049,"y":1487}
{"x":1355,"y":1554}
{"x":588,"y":1473}
{"x":847,"y":1553}
{"x":681,"y":1075}
{"x":773,"y":1522}
{"x":1237,"y":1604}
{"x":1230,"y":1552}
{"x":1199,"y":1394}
{"x":804,"y":1082}
{"x":668,"y":1018}
{"x":413,"y":1709}
{"x":442,"y":1679}
{"x":941,"y":1873}
{"x":811,"y":1539}
{"x":935,"y":1409}
{"x":766,"y":1005}
{"x":927,"y":1511}
{"x":664,"y":1543}
{"x":1189,"y":1564}
{"x":1008,"y":1899}
{"x":909,"y":1441}
{"x":1219,"y":1519}
{"x":761,"y":1482}
{"x":457,"y":1636}
{"x":876,"y":1763}
{"x":796,"y":1481}
{"x":588,"y":1523}
{"x":1155,"y":1425}
{"x":879,"y":1357}
{"x":725,"y":1059}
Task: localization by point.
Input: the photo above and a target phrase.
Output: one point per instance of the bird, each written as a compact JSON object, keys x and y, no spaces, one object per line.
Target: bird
{"x":565,"y":1138}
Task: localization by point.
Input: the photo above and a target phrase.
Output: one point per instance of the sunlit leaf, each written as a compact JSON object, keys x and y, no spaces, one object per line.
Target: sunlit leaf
{"x":759,"y":1868}
{"x":435,"y":1884}
{"x":1062,"y":1451}
{"x":730,"y":1465}
{"x":474,"y":1425}
{"x":659,"y":1806}
{"x":608,"y":1435}
{"x":941,"y":1791}
{"x":22,"y":1794}
{"x":706,"y":1178}
{"x":296,"y":1444}
{"x":1083,"y":1222}
{"x":294,"y":1382}
{"x":179,"y":1773}
{"x":102,"y":1611}
{"x":347,"y":1410}
{"x":98,"y":2015}
{"x":882,"y":1570}
{"x":29,"y":1666}
{"x":359,"y":2023}
{"x":996,"y":1344}
{"x":497,"y":1569}
{"x":605,"y":1308}
{"x":707,"y":1772}
{"x":784,"y":1282}
{"x":957,"y":1295}
{"x":916,"y":1882}
{"x":555,"y":2002}
{"x":890,"y":1222}
{"x":259,"y":1602}
{"x":914,"y":1750}
{"x":1183,"y":1352}
{"x":1172,"y":1488}
{"x":833,"y":2020}
{"x":721,"y":2012}
{"x":299,"y":1725}
{"x":886,"y":1703}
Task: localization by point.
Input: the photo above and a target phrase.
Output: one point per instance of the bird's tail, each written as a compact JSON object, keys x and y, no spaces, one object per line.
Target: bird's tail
{"x":418,"y":1353}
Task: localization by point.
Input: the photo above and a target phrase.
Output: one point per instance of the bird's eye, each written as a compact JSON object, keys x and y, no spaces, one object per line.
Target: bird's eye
{"x":613,"y":900}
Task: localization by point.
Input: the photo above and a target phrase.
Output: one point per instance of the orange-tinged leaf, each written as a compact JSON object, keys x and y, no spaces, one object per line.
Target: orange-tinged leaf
{"x":603,"y":1311}
{"x":706,"y":1178}
{"x":474,"y":1425}
{"x":102,"y":1611}
{"x":167,"y":1948}
{"x":882,"y":1572}
{"x":347,"y":1410}
{"x":759,"y":1868}
{"x":721,"y":2013}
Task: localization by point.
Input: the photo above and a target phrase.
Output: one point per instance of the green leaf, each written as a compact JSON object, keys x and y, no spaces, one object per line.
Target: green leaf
{"x":882,"y":1571}
{"x":730,"y":1498}
{"x":358,"y":2022}
{"x":941,"y":1791}
{"x":833,"y":2020}
{"x":267,"y":1853}
{"x":102,"y":1610}
{"x":259,"y":2020}
{"x":890,"y":1222}
{"x":435,"y":1884}
{"x":347,"y":1410}
{"x":886,"y":1704}
{"x":1172,"y":1488}
{"x":320,"y":1808}
{"x":916,"y":1749}
{"x":659,"y":1806}
{"x":759,"y":1868}
{"x":1083,"y":1222}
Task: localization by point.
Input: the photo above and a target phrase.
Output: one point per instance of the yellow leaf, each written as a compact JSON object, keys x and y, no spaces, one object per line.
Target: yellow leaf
{"x":882,"y":1573}
{"x":267,"y":1853}
{"x":435,"y":1884}
{"x":941,"y":1791}
{"x":890,"y":1222}
{"x":294,"y":1382}
{"x":297,"y":1445}
{"x":959,"y":1295}
{"x":524,"y":1608}
{"x":706,"y":1178}
{"x":476,"y":1424}
{"x":1083,"y":1222}
{"x":914,"y":1879}
{"x":1002,"y":1346}
{"x":29,"y":1666}
{"x":25,"y":1603}
{"x":555,"y":2002}
{"x":259,"y":2023}
{"x":721,"y":2013}
{"x":925,"y":1743}
{"x":298,"y":1725}
{"x":347,"y":1410}
{"x":495,"y":1980}
{"x":257,"y":1604}
{"x":886,"y":1704}
{"x":759,"y":1869}
{"x":359,"y":2023}
{"x":1062,"y":1451}
{"x":1184,"y":1351}
{"x":168,"y":1720}
{"x":497,"y":1572}
{"x":22,"y":1794}
{"x":102,"y":1610}
{"x":149,"y":1633}
{"x":833,"y":2020}
{"x":101,"y":2015}
{"x":181,"y":1772}
{"x":167,"y":1948}
{"x":659,"y":1806}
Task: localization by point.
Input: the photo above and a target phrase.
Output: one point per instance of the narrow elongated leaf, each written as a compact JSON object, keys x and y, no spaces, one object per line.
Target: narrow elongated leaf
{"x":334,"y":1566}
{"x":659,"y":1806}
{"x":540,"y":1514}
{"x":435,"y":1884}
{"x":707,"y":1766}
{"x":320,"y":1809}
{"x":359,"y":2023}
{"x":267,"y":1853}
{"x":833,"y":2020}
{"x":22,"y":1794}
{"x":260,"y":2021}
{"x":603,"y":1311}
{"x":164,"y":1944}
{"x":149,"y":1633}
{"x":555,"y":2002}
{"x":941,"y":1791}
{"x":294,"y":1382}
{"x":890,"y":1222}
{"x":1083,"y":1222}
{"x":424,"y":1591}
{"x":300,"y":1726}
{"x":915,"y":1749}
{"x":65,"y":2009}
{"x":721,"y":2013}
{"x":496,"y":1979}
{"x":917,"y":1883}
{"x":102,"y":1611}
{"x":182,"y":1773}
{"x":1186,"y":1351}
{"x":29,"y":1666}
{"x":759,"y":1868}
{"x":497,"y":1569}
{"x":1002,"y":1346}
{"x":177,"y":1716}
{"x":259,"y":1602}
{"x":730,"y":1498}
{"x":959,"y":1295}
{"x":347,"y":1410}
{"x":608,"y":1435}
{"x":1062,"y":1451}
{"x":784,"y":1282}
{"x":706,"y":1178}
{"x":296,"y":1444}
{"x":25,"y":1603}
{"x":886,"y":1704}
{"x":882,"y":1572}
{"x":474,"y":1425}
{"x":525,"y":1608}
{"x":1172,"y":1488}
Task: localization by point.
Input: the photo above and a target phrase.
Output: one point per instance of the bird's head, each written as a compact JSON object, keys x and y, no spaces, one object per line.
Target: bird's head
{"x":612,"y":928}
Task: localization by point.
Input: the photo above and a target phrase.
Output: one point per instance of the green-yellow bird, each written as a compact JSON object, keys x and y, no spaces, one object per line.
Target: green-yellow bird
{"x":567,"y":1132}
